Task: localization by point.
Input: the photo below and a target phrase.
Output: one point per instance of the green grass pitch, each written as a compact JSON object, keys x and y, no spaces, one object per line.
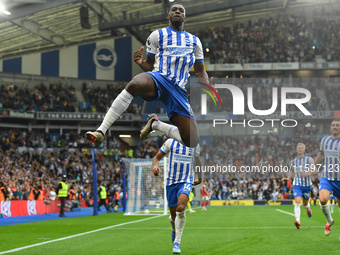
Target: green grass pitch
{"x":220,"y":230}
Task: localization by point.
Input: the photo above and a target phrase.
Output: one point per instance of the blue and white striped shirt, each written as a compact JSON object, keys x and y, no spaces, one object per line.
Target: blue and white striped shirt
{"x":302,"y":165}
{"x":331,"y":150}
{"x":180,"y":160}
{"x":175,"y":53}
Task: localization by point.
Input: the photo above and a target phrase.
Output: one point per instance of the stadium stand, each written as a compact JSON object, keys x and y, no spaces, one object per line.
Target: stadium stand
{"x":281,"y":38}
{"x":29,"y":156}
{"x":41,"y":161}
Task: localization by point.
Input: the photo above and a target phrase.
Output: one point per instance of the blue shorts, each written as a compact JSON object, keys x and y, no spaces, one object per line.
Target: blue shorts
{"x":173,"y":98}
{"x":173,"y":192}
{"x":332,"y":197}
{"x":332,"y":186}
{"x":301,"y":191}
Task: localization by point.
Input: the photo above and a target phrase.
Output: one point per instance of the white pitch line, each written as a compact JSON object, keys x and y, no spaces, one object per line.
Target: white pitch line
{"x":76,"y":235}
{"x":285,"y":212}
{"x":217,"y":228}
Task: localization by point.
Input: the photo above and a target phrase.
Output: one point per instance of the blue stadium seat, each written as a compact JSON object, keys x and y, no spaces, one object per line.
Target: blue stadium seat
{"x":84,"y":106}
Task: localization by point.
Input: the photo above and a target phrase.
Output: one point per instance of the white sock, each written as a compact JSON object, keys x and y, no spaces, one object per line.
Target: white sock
{"x":327,"y":213}
{"x":307,"y":206}
{"x":332,"y":208}
{"x":169,"y":130}
{"x":173,"y":227}
{"x":297,"y":211}
{"x":180,"y":223}
{"x":118,"y":107}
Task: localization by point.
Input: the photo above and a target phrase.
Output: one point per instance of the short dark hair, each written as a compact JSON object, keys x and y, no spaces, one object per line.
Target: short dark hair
{"x":176,"y":3}
{"x":336,"y":119}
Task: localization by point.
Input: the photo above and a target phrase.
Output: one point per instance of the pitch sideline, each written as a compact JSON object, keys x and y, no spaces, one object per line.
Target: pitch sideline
{"x":76,"y":235}
{"x":81,"y":234}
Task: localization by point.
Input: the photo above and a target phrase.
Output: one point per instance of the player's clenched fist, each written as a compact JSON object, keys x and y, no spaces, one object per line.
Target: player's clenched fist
{"x":156,"y":171}
{"x":138,"y":56}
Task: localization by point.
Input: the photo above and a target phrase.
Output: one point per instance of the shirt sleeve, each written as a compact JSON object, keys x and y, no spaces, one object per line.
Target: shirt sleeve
{"x":166,"y":146}
{"x":152,"y":44}
{"x":321,"y":144}
{"x":199,"y":56}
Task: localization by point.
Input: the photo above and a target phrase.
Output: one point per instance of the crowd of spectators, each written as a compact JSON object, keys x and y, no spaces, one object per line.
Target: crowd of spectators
{"x":243,"y":151}
{"x":58,"y":97}
{"x":20,"y":168}
{"x":29,"y":159}
{"x":102,"y":98}
{"x":14,"y":138}
{"x":62,"y":98}
{"x":281,"y":38}
{"x":55,"y":98}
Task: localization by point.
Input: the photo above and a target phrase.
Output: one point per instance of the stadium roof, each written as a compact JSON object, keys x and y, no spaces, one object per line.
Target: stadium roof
{"x":42,"y":25}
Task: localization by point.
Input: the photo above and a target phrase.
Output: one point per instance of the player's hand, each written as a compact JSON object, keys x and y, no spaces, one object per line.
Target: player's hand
{"x":284,"y":179}
{"x":211,"y":84}
{"x":196,"y":182}
{"x":211,"y":81}
{"x":138,"y":56}
{"x":156,"y":171}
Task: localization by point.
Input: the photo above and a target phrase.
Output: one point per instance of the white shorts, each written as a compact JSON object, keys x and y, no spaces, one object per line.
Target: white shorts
{"x":205,"y":198}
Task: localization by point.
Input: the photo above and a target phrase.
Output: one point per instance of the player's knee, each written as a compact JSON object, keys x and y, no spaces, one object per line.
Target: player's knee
{"x":180,"y":208}
{"x":133,"y":87}
{"x":323,"y":201}
{"x":191,"y":142}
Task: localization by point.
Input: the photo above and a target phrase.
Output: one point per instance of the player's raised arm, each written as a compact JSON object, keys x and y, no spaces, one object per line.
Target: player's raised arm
{"x":201,"y":74}
{"x":319,"y":158}
{"x":314,"y":168}
{"x":198,"y":162}
{"x":155,"y":161}
{"x":146,"y":65}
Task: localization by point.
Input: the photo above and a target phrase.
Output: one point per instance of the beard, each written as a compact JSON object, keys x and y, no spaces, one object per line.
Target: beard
{"x":177,"y":22}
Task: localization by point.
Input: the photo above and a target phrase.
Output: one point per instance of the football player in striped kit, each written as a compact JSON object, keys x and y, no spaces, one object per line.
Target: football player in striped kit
{"x":180,"y":178}
{"x":171,"y":53}
{"x":301,"y":185}
{"x":327,"y":160}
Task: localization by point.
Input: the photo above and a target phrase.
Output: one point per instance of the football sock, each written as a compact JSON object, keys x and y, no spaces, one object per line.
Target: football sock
{"x":169,"y":130}
{"x":307,"y":206}
{"x":297,"y":211}
{"x":206,"y":203}
{"x":180,"y":223}
{"x":332,"y":208}
{"x":327,"y":213}
{"x":173,"y":227}
{"x":189,"y":206}
{"x":118,"y":107}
